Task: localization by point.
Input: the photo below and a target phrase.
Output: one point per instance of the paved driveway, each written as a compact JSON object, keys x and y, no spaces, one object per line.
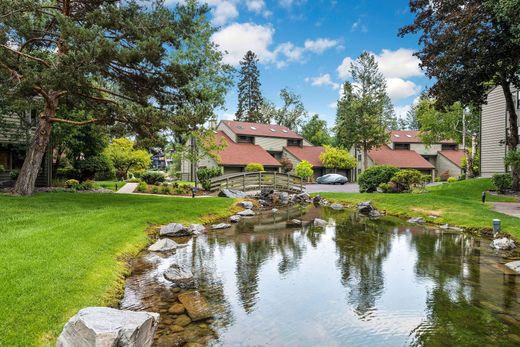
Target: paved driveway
{"x":329,"y":188}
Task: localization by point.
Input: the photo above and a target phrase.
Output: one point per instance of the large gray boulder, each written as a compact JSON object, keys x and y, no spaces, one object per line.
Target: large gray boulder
{"x":197,"y":229}
{"x":179,"y":275}
{"x":163,"y":245}
{"x":174,"y":229}
{"x":514,"y":265}
{"x":232,"y":193}
{"x":365,"y":207}
{"x":248,"y":205}
{"x":221,"y":226}
{"x":108,"y":327}
{"x":503,"y":244}
{"x":246,"y":213}
{"x":234,"y":219}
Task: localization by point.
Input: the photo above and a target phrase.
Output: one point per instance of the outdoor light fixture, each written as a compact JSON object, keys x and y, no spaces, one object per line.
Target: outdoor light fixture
{"x":483,"y":197}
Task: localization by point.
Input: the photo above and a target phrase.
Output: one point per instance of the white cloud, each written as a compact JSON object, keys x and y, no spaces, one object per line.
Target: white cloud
{"x":333,"y":105}
{"x":236,"y":39}
{"x":400,"y":63}
{"x":398,"y":89}
{"x":359,"y":26}
{"x":223,"y":12}
{"x":344,"y":68}
{"x":323,"y":80}
{"x":320,"y":45}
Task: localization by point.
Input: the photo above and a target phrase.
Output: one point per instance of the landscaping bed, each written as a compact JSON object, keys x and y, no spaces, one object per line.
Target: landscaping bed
{"x":65,"y":251}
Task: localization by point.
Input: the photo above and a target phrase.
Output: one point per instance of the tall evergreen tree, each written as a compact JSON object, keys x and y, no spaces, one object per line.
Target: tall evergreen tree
{"x":249,"y":95}
{"x":114,"y":59}
{"x":365,"y":113}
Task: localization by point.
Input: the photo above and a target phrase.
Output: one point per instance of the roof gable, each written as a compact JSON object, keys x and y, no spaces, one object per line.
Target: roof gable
{"x":309,"y":153}
{"x":403,"y":159}
{"x":241,"y":154}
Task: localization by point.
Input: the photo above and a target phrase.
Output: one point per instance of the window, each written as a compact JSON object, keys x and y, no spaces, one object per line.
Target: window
{"x":402,"y":146}
{"x":294,"y":143}
{"x":518,"y":99}
{"x":245,"y":139}
{"x":449,"y":147}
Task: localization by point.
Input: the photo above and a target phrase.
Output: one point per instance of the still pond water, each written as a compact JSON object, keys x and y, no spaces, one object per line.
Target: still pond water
{"x":355,"y":283}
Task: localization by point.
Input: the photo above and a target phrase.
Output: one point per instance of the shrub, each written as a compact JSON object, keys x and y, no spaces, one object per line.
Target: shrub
{"x":142,"y":187}
{"x":254,"y":167}
{"x":372,"y":177}
{"x":206,"y":174}
{"x":155,"y":189}
{"x":386,"y":187}
{"x":503,"y":182}
{"x":14,"y":175}
{"x":87,"y":185}
{"x":452,"y":179}
{"x":166,"y":189}
{"x":72,"y":183}
{"x":96,"y":167}
{"x":406,"y":180}
{"x":67,"y":172}
{"x":304,"y":169}
{"x":153,"y":177}
{"x":2,"y":168}
{"x":287,"y":165}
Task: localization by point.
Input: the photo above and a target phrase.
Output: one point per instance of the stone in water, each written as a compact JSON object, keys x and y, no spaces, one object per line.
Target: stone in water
{"x":196,"y":305}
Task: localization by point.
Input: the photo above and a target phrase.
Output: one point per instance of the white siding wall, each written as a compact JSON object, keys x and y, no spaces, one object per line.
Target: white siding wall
{"x":223,"y":127}
{"x":292,"y":158}
{"x":492,"y":133}
{"x":443,"y":165}
{"x":424,"y":150}
{"x":11,"y":130}
{"x":271,"y":143}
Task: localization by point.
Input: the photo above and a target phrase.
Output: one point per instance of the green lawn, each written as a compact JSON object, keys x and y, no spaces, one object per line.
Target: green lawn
{"x":112,"y":185}
{"x":456,"y":203}
{"x":61,"y":252}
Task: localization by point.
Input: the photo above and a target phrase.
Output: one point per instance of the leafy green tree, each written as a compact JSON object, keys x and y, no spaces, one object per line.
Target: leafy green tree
{"x":292,"y":114}
{"x":316,"y":132}
{"x":453,"y":122}
{"x":249,"y":95}
{"x":513,"y":161}
{"x":126,"y":157}
{"x":365,"y":113}
{"x":112,"y":58}
{"x":337,"y":158}
{"x":467,"y":47}
{"x":304,"y":170}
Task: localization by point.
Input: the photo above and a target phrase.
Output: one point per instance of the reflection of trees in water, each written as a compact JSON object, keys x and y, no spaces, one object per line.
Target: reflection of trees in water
{"x":456,"y":308}
{"x":362,"y":246}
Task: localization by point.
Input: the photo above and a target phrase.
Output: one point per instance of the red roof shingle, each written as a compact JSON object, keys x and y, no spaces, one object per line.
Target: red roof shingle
{"x":309,"y":153}
{"x":403,"y":159}
{"x":409,"y":136}
{"x":256,"y":129}
{"x":241,"y":154}
{"x":454,"y":156}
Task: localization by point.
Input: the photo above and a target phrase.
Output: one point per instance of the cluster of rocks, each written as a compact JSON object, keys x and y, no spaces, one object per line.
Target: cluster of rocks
{"x":366,"y":208}
{"x":417,"y":220}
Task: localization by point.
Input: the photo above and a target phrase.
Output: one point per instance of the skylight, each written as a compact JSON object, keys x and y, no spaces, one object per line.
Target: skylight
{"x":253,"y":128}
{"x":410,"y":136}
{"x":273,"y":130}
{"x":285,"y":131}
{"x":396,"y":135}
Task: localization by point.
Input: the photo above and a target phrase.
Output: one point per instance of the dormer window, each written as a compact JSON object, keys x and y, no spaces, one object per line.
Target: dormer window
{"x":245,"y":139}
{"x":294,"y":143}
{"x":402,"y":146}
{"x":449,"y":146}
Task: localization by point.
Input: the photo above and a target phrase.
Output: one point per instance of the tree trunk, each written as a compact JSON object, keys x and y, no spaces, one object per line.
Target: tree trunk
{"x":512,"y":137}
{"x":365,"y":159}
{"x":34,"y":155}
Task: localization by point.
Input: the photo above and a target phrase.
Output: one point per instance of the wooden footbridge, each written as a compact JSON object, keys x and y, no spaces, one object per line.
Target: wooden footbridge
{"x":255,"y":181}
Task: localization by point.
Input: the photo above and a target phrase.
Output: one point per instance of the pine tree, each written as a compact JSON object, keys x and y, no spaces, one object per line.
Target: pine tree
{"x":117,"y":60}
{"x":365,"y":113}
{"x":249,"y":95}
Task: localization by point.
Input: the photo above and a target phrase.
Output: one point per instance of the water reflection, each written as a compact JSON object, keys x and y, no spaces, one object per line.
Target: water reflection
{"x":356,"y":282}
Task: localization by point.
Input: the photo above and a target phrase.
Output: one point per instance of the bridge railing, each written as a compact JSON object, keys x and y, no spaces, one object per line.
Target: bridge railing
{"x":253,"y":181}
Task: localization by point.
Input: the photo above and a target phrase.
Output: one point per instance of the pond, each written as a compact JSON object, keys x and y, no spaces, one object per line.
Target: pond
{"x":356,"y":282}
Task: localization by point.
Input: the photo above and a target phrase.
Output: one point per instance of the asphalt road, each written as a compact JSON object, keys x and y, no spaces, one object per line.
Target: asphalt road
{"x":330,"y":188}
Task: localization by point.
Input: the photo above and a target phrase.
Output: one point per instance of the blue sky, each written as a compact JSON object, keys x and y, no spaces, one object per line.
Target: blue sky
{"x":307,"y":46}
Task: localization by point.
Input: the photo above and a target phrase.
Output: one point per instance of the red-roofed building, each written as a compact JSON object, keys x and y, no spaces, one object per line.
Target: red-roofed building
{"x":407,"y":151}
